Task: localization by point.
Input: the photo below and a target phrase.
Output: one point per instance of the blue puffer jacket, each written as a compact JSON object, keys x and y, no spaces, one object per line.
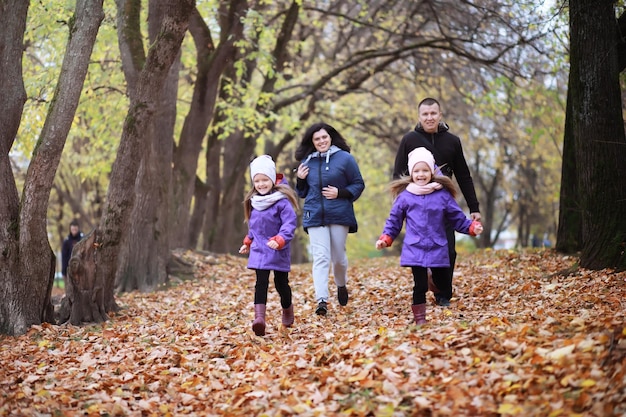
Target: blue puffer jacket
{"x":336,"y":168}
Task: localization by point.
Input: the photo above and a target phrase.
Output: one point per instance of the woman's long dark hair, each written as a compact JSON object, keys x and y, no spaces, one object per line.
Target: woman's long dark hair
{"x":306,"y":147}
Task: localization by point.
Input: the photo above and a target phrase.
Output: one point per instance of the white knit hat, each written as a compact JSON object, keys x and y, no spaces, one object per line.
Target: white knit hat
{"x":421,"y":155}
{"x":263,"y":165}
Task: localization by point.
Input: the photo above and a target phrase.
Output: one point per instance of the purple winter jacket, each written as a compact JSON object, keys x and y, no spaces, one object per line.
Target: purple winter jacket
{"x":425,"y":242}
{"x":279,"y":219}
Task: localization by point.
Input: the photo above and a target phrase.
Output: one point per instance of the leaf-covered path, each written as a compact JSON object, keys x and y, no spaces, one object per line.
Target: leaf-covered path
{"x":523,"y":337}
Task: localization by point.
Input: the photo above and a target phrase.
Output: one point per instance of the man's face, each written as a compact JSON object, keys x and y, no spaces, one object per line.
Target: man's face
{"x":430,"y":116}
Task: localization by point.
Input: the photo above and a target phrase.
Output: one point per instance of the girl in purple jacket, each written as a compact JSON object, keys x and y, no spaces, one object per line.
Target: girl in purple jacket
{"x":426,"y":201}
{"x":269,"y":211}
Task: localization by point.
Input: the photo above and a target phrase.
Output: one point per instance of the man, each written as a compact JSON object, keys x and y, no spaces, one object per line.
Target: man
{"x":433,"y":134}
{"x":68,"y":244}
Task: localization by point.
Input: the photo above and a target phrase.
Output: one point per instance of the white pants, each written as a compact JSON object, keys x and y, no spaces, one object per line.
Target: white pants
{"x":328,"y":245}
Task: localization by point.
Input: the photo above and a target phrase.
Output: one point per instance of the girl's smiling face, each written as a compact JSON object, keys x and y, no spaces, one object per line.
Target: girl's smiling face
{"x":321,"y":140}
{"x":262,"y":184}
{"x":421,"y":174}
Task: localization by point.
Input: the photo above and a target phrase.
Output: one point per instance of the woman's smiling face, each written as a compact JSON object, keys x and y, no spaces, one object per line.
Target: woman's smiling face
{"x":321,"y":140}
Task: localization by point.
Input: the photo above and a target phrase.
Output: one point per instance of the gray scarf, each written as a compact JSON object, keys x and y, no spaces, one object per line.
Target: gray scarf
{"x":263,"y":202}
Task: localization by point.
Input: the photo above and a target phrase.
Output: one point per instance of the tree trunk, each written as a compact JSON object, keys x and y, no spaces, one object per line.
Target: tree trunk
{"x":14,"y":315}
{"x":84,"y":296}
{"x":30,"y":263}
{"x":119,"y":203}
{"x":239,"y":149}
{"x":214,"y":189}
{"x":569,"y":232}
{"x":237,"y":156}
{"x":211,"y":64}
{"x":489,"y":193}
{"x":200,"y":207}
{"x":599,"y":133}
{"x":145,"y":252}
{"x":223,"y":213}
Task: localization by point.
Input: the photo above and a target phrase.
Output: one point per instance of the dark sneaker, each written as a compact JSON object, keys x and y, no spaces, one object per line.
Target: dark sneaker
{"x":321,"y":308}
{"x":342,"y":295}
{"x":442,"y":301}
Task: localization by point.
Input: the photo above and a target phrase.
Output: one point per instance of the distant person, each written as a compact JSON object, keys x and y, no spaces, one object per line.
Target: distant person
{"x":272,"y":221}
{"x":426,"y":202}
{"x":330,"y":182}
{"x":536,"y":241}
{"x":68,"y":244}
{"x":433,"y":134}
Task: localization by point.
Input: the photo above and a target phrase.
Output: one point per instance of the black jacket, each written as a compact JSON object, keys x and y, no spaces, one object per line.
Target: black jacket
{"x":448,"y":154}
{"x":66,"y":250}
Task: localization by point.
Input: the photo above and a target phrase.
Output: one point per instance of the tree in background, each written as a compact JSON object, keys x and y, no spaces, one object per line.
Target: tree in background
{"x":360,"y":53}
{"x":593,"y":192}
{"x":99,"y":288}
{"x":274,"y":67}
{"x":27,"y":261}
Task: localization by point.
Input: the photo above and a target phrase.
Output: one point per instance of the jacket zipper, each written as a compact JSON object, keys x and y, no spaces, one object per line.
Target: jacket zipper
{"x":321,"y":188}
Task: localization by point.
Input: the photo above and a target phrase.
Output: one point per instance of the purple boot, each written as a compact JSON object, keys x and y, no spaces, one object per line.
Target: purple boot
{"x":419,"y":313}
{"x":288,"y":316}
{"x":259,"y":320}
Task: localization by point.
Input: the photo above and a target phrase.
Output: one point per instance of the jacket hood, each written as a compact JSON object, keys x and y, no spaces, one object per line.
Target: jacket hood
{"x":333,"y":149}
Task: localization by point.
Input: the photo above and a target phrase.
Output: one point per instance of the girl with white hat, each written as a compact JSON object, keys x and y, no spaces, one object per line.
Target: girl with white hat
{"x":270,"y":212}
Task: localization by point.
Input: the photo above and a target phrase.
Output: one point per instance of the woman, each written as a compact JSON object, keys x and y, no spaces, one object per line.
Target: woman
{"x":330,"y":181}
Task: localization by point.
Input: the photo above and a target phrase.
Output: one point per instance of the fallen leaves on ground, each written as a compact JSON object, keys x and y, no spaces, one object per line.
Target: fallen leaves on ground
{"x":526,"y":335}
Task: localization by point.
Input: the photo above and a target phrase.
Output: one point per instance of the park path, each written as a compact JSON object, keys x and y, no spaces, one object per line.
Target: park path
{"x":524,"y":337}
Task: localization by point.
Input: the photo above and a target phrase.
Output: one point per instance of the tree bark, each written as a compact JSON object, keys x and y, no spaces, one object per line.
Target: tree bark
{"x":200,"y":207}
{"x":84,"y":296}
{"x":145,"y":252}
{"x":569,"y":231}
{"x":211,"y":64}
{"x":143,"y":104}
{"x":599,"y":133}
{"x":231,"y":228}
{"x":15,"y":316}
{"x":29,"y":275}
{"x":226,"y":234}
{"x":214,"y":187}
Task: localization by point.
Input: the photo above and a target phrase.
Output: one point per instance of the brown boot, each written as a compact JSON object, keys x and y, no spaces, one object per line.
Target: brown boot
{"x":259,"y":320}
{"x":288,"y":316}
{"x":419,"y":313}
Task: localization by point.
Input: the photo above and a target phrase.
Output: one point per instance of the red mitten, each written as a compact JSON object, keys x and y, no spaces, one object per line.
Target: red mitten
{"x":280,"y":240}
{"x":387,"y":239}
{"x":472,"y":228}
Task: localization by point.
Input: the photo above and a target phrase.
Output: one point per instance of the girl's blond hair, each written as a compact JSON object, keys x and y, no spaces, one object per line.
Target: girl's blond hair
{"x":399,"y":185}
{"x":282,"y":188}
